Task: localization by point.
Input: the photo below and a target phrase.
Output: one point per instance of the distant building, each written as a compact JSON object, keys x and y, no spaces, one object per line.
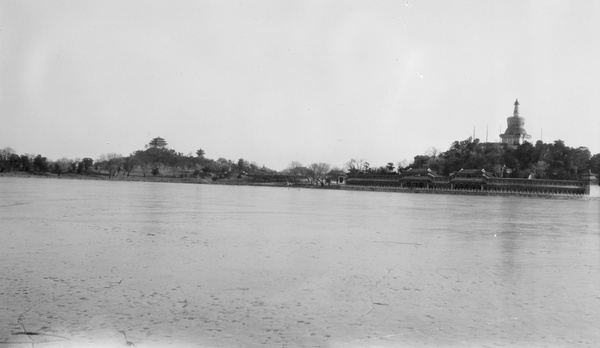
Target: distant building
{"x":472,"y":181}
{"x":515,"y":134}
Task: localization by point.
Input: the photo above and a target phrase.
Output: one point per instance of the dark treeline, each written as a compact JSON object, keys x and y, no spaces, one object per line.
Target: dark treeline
{"x":155,"y":159}
{"x":540,"y":161}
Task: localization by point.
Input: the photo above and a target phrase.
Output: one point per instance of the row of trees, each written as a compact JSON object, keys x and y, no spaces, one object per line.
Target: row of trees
{"x":316,"y":173}
{"x":541,"y":161}
{"x":355,"y":166}
{"x":11,"y":161}
{"x":155,"y":159}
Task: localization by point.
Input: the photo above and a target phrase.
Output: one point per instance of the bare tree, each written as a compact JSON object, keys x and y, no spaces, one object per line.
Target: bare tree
{"x":129,"y":164}
{"x":294,"y":164}
{"x":5,"y":155}
{"x":402,"y":164}
{"x":390,"y":167}
{"x":319,"y":171}
{"x":111,"y":162}
{"x":432,"y":151}
{"x":356,"y":166}
{"x":295,"y":168}
{"x":62,"y":165}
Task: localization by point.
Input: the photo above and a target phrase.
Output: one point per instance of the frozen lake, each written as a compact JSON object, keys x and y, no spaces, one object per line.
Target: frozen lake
{"x":236,"y":266}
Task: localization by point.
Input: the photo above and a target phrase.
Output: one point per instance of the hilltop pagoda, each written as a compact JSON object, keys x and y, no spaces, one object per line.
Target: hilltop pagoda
{"x":515,"y":133}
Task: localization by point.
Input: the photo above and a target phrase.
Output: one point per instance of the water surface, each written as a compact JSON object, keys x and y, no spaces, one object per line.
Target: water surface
{"x":235,"y":266}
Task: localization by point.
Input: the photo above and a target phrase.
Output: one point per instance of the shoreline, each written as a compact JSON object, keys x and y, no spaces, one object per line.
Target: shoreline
{"x":471,"y":193}
{"x":239,"y":182}
{"x":160,"y":179}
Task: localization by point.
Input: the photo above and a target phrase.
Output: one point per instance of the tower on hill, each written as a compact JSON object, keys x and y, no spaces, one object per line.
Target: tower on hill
{"x":515,"y":133}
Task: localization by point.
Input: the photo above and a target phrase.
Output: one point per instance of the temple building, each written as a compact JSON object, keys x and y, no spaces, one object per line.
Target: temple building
{"x":515,"y":134}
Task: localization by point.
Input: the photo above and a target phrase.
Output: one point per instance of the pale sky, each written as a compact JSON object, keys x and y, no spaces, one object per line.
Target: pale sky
{"x":280,"y":81}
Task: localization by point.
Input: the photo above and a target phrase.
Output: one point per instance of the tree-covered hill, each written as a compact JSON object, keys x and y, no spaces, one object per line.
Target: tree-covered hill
{"x":542,"y":160}
{"x":155,"y":159}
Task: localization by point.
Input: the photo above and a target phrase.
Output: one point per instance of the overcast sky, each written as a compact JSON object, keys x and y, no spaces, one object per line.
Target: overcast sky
{"x":280,"y":81}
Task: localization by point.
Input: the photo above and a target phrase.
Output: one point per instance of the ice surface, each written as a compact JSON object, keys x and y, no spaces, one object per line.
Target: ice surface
{"x":84,"y":263}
